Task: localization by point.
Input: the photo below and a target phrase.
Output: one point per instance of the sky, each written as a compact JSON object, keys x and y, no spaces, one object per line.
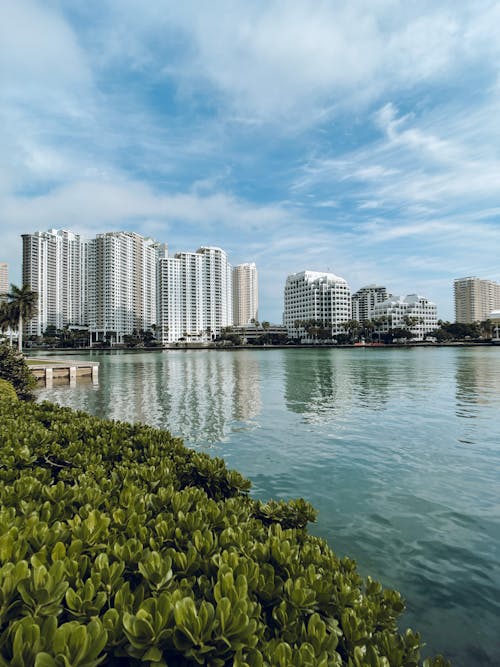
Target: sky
{"x":359,"y":137}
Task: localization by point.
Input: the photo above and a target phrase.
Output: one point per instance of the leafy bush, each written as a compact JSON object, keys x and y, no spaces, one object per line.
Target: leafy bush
{"x":14,"y":369}
{"x":118,"y":546}
{"x":7,"y":391}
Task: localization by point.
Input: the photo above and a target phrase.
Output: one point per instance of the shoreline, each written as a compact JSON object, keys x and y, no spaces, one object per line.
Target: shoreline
{"x":234,"y":348}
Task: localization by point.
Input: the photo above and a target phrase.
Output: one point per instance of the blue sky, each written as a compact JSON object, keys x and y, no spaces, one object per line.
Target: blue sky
{"x":358,"y":137}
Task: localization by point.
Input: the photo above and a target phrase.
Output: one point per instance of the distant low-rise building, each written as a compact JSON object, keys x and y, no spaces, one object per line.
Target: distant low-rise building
{"x":494,"y":316}
{"x":313,"y":297}
{"x":252,"y":332}
{"x":412,"y":312}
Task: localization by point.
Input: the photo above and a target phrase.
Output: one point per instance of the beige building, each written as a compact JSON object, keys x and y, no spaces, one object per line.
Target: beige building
{"x":475,"y":299}
{"x":4,"y":278}
{"x":245,"y":294}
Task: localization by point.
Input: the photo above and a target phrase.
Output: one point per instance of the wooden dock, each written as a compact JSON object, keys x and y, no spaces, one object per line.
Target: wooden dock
{"x":48,"y":370}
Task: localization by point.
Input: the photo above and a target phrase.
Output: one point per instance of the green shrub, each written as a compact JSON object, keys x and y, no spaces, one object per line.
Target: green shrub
{"x":14,"y":369}
{"x":119,"y":546}
{"x":7,"y":390}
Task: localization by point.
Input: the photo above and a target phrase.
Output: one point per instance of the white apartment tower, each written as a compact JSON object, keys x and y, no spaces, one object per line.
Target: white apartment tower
{"x":396,"y":310}
{"x":475,"y":299}
{"x":245,"y":294}
{"x":217,"y":290}
{"x":194,"y":295}
{"x":53,"y":266}
{"x":4,"y":278}
{"x":365,"y":299}
{"x":121,"y":285}
{"x":169,"y":326}
{"x":310,"y":295}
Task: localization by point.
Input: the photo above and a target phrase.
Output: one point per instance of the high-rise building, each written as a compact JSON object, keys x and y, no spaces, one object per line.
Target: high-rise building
{"x":121,"y":282}
{"x":180,"y":298}
{"x":53,"y":266}
{"x":169,"y":325}
{"x":364,"y":300}
{"x":321,"y":297}
{"x":245,"y":294}
{"x":217,"y":290}
{"x":475,"y":299}
{"x":121,"y":285}
{"x":192,"y":294}
{"x":412,"y":312}
{"x":4,"y":279}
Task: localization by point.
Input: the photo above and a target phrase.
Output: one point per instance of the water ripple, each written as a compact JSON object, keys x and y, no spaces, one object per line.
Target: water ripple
{"x":399,"y":450}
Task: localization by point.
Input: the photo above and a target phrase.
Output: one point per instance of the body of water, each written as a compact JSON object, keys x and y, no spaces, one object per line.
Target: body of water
{"x":398,"y":449}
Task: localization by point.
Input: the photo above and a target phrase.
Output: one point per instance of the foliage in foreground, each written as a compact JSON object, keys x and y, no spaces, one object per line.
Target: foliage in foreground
{"x":14,"y":369}
{"x":7,"y":390}
{"x":121,"y":546}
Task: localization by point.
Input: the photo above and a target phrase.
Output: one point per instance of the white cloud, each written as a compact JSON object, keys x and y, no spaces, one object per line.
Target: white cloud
{"x":439,"y":160}
{"x":40,"y":52}
{"x":97,"y":205}
{"x":283,"y":59}
{"x":85,"y":145}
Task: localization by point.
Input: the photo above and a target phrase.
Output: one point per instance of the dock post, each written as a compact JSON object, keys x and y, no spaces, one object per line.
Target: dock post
{"x":49,"y":377}
{"x":95,"y":374}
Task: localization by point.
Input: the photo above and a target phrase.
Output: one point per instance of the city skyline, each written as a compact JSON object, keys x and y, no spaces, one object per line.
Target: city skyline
{"x":357,"y":139}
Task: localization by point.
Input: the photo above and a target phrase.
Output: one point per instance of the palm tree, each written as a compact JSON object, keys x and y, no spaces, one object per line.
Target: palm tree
{"x":352,"y":327}
{"x":23,"y":301}
{"x":378,"y":325}
{"x":8,"y":318}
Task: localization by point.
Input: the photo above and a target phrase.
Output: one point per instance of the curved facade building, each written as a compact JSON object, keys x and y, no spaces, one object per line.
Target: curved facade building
{"x":322,"y":297}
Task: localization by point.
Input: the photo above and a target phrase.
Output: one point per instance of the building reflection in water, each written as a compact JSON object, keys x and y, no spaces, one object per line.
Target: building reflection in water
{"x":477,"y":382}
{"x":325,"y":386}
{"x":199,"y":395}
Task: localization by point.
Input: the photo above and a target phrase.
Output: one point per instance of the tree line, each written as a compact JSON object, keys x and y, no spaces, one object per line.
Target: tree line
{"x":20,"y":305}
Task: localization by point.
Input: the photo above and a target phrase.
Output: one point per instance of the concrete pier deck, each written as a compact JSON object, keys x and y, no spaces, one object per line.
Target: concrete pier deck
{"x":48,"y":370}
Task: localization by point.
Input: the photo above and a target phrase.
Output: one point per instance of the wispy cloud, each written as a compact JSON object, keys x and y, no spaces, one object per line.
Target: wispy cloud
{"x":360,"y":138}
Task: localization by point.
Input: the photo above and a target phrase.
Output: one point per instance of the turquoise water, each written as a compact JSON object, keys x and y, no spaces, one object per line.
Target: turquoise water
{"x":399,"y":449}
